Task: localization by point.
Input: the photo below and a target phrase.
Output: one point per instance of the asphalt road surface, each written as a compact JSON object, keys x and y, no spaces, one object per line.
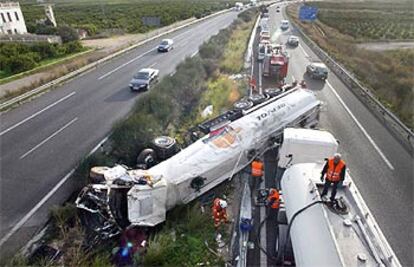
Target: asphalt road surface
{"x":380,"y":166}
{"x":42,"y":140}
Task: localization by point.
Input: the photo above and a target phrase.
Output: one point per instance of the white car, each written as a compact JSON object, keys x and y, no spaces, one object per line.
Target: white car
{"x":166,"y":45}
{"x":143,"y":79}
{"x":293,"y":40}
{"x":284,"y":24}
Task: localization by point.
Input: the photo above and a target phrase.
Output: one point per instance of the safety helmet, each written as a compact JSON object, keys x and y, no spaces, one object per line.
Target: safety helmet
{"x":223,"y":204}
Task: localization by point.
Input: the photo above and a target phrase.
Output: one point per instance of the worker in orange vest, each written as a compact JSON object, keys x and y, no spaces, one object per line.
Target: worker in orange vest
{"x":257,"y":168}
{"x":335,"y":173}
{"x":273,"y":199}
{"x":219,"y":212}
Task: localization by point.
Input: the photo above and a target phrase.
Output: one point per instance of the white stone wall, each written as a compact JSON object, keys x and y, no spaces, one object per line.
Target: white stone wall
{"x":11,"y":19}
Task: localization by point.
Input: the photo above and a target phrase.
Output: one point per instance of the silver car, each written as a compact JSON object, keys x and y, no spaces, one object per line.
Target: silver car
{"x":317,"y":70}
{"x":143,"y":79}
{"x":293,"y":40}
{"x":166,"y":45}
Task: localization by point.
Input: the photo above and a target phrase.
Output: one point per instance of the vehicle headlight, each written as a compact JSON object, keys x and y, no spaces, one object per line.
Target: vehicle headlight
{"x":130,"y":85}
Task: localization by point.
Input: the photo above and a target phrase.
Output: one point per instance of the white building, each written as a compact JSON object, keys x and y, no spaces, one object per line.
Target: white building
{"x":11,"y":19}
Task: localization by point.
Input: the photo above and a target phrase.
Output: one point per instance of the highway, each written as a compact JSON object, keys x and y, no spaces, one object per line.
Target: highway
{"x":44,"y":139}
{"x":380,"y":166}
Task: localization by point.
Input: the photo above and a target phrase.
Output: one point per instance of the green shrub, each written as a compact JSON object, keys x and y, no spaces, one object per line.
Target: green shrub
{"x":131,"y":136}
{"x":68,"y":34}
{"x":20,"y":63}
{"x":73,"y":47}
{"x":182,"y":240}
{"x":97,"y":16}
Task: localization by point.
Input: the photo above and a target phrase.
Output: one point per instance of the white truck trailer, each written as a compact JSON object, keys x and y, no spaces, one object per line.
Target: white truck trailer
{"x":311,"y":232}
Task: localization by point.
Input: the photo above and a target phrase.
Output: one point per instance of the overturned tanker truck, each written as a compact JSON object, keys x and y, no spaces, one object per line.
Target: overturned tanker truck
{"x":142,"y":197}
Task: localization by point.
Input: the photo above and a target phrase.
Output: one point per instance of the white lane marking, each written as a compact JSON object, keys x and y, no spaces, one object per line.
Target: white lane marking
{"x":193,"y":54}
{"x":48,"y":138}
{"x":303,"y":50}
{"x":126,"y":63}
{"x":152,"y":65}
{"x":98,"y":146}
{"x":35,"y":208}
{"x":361,"y":127}
{"x":37,"y":113}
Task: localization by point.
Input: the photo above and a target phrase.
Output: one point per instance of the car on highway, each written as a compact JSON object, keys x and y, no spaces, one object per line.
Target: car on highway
{"x":265,"y":49}
{"x":317,"y":70}
{"x":278,"y":9}
{"x":293,"y":40}
{"x":166,"y":45}
{"x":284,"y":24}
{"x":143,"y":79}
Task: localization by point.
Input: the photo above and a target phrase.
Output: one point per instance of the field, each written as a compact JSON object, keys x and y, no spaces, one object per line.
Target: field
{"x":389,"y":74}
{"x":370,"y":20}
{"x":124,"y":16}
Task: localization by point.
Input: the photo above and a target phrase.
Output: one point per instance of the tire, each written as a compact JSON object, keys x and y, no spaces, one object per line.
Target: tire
{"x":142,"y":157}
{"x":243,"y":104}
{"x":164,"y":147}
{"x":257,"y":99}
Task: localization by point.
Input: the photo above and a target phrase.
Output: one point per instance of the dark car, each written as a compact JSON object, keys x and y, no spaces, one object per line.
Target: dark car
{"x":143,"y":79}
{"x":317,"y":71}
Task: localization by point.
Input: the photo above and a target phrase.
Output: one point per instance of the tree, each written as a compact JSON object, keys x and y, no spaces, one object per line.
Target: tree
{"x":67,"y":34}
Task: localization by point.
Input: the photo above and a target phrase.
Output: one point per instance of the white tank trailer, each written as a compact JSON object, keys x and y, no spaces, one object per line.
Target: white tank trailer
{"x":321,"y":235}
{"x":121,"y":199}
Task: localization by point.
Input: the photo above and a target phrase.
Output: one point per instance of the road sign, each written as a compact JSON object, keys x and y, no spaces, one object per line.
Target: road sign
{"x":308,"y":13}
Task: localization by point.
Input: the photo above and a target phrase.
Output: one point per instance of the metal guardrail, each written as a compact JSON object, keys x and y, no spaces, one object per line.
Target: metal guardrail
{"x":397,"y":128}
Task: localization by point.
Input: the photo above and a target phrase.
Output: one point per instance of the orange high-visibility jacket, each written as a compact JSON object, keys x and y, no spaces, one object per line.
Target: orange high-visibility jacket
{"x":257,"y":168}
{"x":333,"y":173}
{"x":274,"y":198}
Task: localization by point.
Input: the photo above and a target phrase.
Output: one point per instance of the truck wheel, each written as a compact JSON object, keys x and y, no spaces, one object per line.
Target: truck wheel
{"x":243,"y":104}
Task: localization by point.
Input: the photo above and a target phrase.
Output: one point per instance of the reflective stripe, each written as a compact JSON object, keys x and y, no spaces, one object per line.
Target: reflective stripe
{"x":334,"y":172}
